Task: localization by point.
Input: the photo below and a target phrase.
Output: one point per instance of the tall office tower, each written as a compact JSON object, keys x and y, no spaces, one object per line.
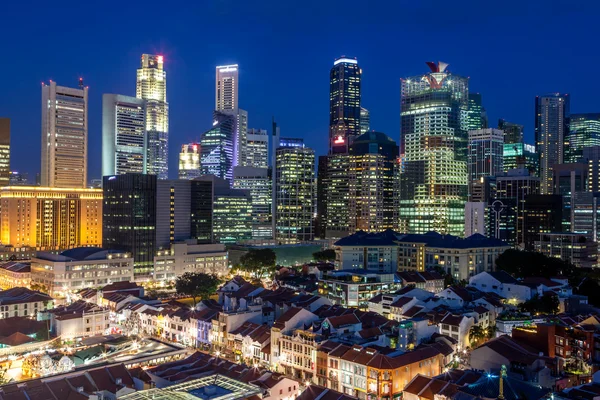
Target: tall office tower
{"x":569,"y":179}
{"x":129,"y":218}
{"x":257,"y":148}
{"x":476,"y":218}
{"x":543,"y":214}
{"x":513,"y":133}
{"x":336,"y":189}
{"x":4,"y":152}
{"x":229,"y":215}
{"x":258,"y":182}
{"x":372,"y":195}
{"x":584,"y":131}
{"x":124,"y":141}
{"x":507,"y":210}
{"x":173,"y":211}
{"x":226,"y":101}
{"x":433,"y":182}
{"x":485,"y":159}
{"x":152,"y":87}
{"x":64,"y":136}
{"x":19,"y":178}
{"x":294,"y":194}
{"x":344,"y":104}
{"x":365,"y":120}
{"x":50,"y":218}
{"x":520,"y":156}
{"x":217,"y":147}
{"x":586,"y":214}
{"x":321,"y":220}
{"x":189,"y":161}
{"x":591,"y":155}
{"x":202,"y":210}
{"x":476,"y":116}
{"x":551,"y":134}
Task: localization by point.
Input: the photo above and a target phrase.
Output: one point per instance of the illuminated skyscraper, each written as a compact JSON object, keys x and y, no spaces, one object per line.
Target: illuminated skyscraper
{"x":513,"y":133}
{"x":365,"y":120}
{"x":344,"y":104}
{"x":124,"y":141}
{"x":5,"y":173}
{"x":294,"y":194}
{"x":591,"y":155}
{"x":371,"y":195}
{"x":152,"y":87}
{"x":433,"y":182}
{"x":335,"y":188}
{"x":189,"y":161}
{"x":217,"y":147}
{"x":477,"y":116}
{"x":520,"y":155}
{"x":584,"y":131}
{"x":551,"y":134}
{"x":64,"y":136}
{"x":226,"y":101}
{"x":257,"y":148}
{"x":258,"y":182}
{"x":485,"y":159}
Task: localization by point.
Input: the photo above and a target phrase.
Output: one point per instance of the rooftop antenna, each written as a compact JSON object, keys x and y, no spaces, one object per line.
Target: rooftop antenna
{"x":81,"y":83}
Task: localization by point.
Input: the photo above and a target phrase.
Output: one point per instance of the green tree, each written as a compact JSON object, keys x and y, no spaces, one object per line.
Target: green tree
{"x":324,"y":255}
{"x":477,"y":334}
{"x":259,"y":262}
{"x":546,"y":304}
{"x":523,"y":264}
{"x":197,"y":285}
{"x":491,"y":331}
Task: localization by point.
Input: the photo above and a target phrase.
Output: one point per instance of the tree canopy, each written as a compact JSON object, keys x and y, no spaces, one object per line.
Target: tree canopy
{"x":522,"y":264}
{"x":197,"y":285}
{"x":259,"y":262}
{"x":546,"y":304}
{"x":324,"y":255}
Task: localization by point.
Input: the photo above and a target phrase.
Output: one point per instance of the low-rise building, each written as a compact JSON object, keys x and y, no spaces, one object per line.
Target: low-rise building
{"x":77,"y":320}
{"x":23,"y":302}
{"x":85,"y":267}
{"x":574,"y":248}
{"x":502,"y":284}
{"x":377,"y":252}
{"x":15,"y":274}
{"x":426,"y":280}
{"x":354,"y":288}
{"x":189,"y":256}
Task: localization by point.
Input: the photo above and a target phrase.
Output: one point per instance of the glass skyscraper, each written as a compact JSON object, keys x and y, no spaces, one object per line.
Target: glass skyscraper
{"x":217,"y":147}
{"x":189,"y":161}
{"x":433,"y":179}
{"x":513,"y":133}
{"x":5,"y":174}
{"x":520,"y":155}
{"x":477,"y":116}
{"x":551,"y":134}
{"x":485,"y":159}
{"x":344,"y":104}
{"x":584,"y":131}
{"x":152,"y":87}
{"x":365,"y":120}
{"x":227,"y":90}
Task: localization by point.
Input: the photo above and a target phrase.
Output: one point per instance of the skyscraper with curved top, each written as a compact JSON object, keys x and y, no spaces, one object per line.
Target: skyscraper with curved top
{"x":344,"y":103}
{"x":152,"y":87}
{"x":433,"y":180}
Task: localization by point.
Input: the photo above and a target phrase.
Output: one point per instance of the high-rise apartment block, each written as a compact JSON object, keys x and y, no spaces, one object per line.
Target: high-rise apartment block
{"x":4,"y":152}
{"x":64,"y":136}
{"x":50,"y":218}
{"x":372,"y":194}
{"x":152,"y":87}
{"x":433,"y":181}
{"x":485,"y":159}
{"x":551,"y":134}
{"x":257,"y":148}
{"x":124,"y":141}
{"x":294,"y":194}
{"x":584,"y":131}
{"x":344,"y":104}
{"x":189,"y":161}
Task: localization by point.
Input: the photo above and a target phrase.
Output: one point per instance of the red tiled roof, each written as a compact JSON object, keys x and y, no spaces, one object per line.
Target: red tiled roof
{"x":343,"y":320}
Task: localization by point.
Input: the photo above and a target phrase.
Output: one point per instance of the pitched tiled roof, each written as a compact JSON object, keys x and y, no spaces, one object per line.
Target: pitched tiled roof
{"x":503,"y":277}
{"x":20,"y":295}
{"x":461,"y":292}
{"x":377,"y":299}
{"x":362,"y":238}
{"x":288,"y":315}
{"x":319,"y":392}
{"x":401,"y":302}
{"x":343,"y":320}
{"x":514,"y":389}
{"x":16,"y":266}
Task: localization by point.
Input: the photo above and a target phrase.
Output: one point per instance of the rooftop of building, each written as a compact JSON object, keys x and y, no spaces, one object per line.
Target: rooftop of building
{"x":77,"y":254}
{"x":20,"y":295}
{"x":16,"y":266}
{"x":431,"y":239}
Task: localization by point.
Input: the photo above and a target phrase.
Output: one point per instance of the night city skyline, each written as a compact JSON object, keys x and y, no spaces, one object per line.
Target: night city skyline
{"x":284,"y":62}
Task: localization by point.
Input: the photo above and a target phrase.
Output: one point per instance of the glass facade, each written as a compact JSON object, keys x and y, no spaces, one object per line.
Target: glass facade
{"x":294,"y":194}
{"x":584,"y":131}
{"x":520,"y":156}
{"x":433,"y":179}
{"x":257,"y":148}
{"x":258,"y":182}
{"x":5,"y":174}
{"x":365,"y":120}
{"x":344,"y":104}
{"x":485,"y":159}
{"x":217,"y":147}
{"x":189,"y":161}
{"x":569,"y":179}
{"x":586,"y":214}
{"x":232,"y":217}
{"x":129,"y":219}
{"x":152,"y":87}
{"x":513,"y":133}
{"x":336,"y":188}
{"x":477,"y":116}
{"x":551,"y":134}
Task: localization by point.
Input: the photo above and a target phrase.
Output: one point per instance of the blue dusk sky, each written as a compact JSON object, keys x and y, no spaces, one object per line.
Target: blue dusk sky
{"x":511,"y":50}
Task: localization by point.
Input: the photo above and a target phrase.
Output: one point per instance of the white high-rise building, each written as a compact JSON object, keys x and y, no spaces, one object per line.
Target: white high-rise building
{"x":64,"y":136}
{"x":189,"y":161}
{"x":226,"y":101}
{"x":257,"y":148}
{"x":152,"y":87}
{"x":124,"y":141}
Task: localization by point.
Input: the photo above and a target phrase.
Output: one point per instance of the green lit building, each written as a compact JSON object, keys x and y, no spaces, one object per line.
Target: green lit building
{"x":294,"y":194}
{"x":433,"y":179}
{"x":520,"y":156}
{"x":258,"y":182}
{"x":584,"y":131}
{"x":476,"y":116}
{"x":336,"y":188}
